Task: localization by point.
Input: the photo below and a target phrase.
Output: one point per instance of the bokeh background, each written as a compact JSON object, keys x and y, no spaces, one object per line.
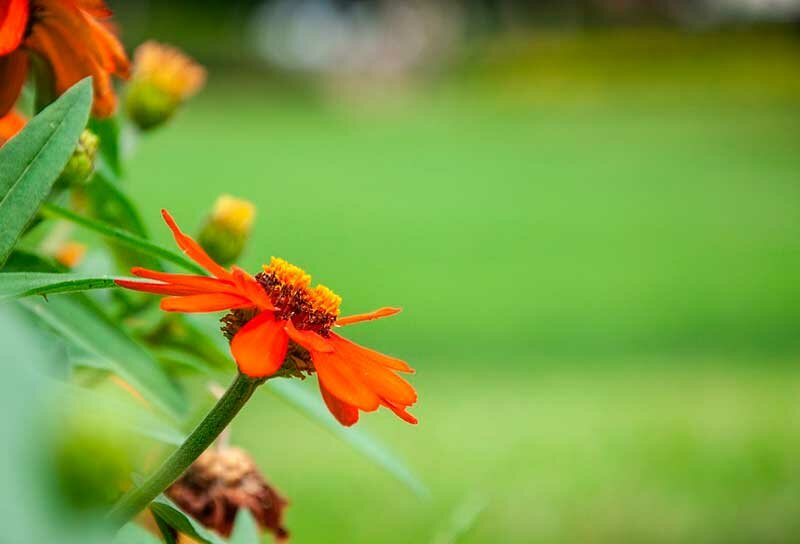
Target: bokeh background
{"x":587,"y":208}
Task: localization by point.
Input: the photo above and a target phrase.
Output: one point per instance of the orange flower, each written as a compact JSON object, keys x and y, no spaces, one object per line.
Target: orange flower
{"x":278,"y":322}
{"x":72,"y":36}
{"x":10,"y":125}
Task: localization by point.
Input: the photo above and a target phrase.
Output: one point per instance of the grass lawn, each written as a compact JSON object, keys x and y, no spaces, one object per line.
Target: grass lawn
{"x":705,"y":454}
{"x":600,"y":279}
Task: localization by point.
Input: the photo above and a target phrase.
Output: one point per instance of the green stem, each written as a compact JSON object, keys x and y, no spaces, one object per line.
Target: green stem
{"x":137,"y":499}
{"x":122,"y":237}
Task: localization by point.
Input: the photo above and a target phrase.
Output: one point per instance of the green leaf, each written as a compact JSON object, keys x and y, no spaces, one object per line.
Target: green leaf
{"x":25,"y":284}
{"x":167,"y":533}
{"x":463,"y":519}
{"x":93,"y":332}
{"x":31,"y":162}
{"x":245,"y":530}
{"x":122,"y":237}
{"x":173,"y":516}
{"x":311,"y":405}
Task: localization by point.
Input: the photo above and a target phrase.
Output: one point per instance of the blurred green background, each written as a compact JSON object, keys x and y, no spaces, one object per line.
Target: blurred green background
{"x":591,"y":220}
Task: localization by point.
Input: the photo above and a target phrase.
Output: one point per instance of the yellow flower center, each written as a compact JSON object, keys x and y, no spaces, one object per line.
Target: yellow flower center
{"x":289,"y":288}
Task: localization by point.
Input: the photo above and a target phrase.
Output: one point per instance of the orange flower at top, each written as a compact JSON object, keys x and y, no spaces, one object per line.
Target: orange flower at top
{"x":71,"y":36}
{"x":279,"y":323}
{"x":10,"y":125}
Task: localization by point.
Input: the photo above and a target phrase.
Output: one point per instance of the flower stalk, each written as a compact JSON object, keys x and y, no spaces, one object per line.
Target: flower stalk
{"x":137,"y":499}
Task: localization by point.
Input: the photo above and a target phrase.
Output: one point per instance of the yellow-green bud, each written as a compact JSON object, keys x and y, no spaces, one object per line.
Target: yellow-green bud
{"x":227,"y":229}
{"x":149,"y":106}
{"x":163,"y":79}
{"x":80,"y":166}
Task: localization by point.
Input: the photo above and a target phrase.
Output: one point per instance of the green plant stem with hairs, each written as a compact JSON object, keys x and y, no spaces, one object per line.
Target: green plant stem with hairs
{"x":137,"y":499}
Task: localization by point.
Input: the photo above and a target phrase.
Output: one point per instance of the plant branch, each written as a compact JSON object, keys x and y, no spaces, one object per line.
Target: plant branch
{"x":137,"y":499}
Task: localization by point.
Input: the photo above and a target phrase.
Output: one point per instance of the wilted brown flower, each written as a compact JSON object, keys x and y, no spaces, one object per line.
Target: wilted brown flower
{"x":219,"y":483}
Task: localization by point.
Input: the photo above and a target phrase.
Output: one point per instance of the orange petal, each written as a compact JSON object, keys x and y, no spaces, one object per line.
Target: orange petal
{"x":13,"y":70}
{"x":251,"y":289}
{"x":10,"y":125}
{"x":308,"y":339}
{"x":341,"y":380}
{"x":260,"y":346}
{"x":201,"y":284}
{"x":214,"y":302}
{"x":358,"y":318}
{"x":346,"y":415}
{"x":401,"y":412}
{"x":372,"y":355}
{"x":13,"y":22}
{"x":193,"y":249}
{"x":157,"y":288}
{"x":377,"y":377}
{"x":97,"y":8}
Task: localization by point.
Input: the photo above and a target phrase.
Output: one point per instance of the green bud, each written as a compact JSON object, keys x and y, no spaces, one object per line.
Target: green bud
{"x":80,"y":166}
{"x":150,"y":105}
{"x":227,"y":229}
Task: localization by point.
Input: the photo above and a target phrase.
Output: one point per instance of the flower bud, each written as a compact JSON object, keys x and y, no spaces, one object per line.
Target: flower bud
{"x":80,"y":166}
{"x":70,"y":254}
{"x":219,"y":483}
{"x":227,"y":229}
{"x":163,"y":79}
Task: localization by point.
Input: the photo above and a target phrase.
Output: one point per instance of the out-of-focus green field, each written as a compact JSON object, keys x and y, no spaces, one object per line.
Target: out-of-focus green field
{"x":597,"y":245}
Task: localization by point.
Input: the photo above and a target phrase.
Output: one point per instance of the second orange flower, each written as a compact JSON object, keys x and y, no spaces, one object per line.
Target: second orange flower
{"x":279,"y":323}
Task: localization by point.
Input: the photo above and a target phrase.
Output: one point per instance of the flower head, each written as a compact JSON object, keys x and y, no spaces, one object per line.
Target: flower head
{"x":72,"y":36}
{"x":278,"y":323}
{"x":163,"y":78}
{"x":222,"y":481}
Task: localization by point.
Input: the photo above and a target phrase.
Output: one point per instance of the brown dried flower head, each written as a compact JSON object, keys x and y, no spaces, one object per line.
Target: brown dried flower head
{"x":219,"y":483}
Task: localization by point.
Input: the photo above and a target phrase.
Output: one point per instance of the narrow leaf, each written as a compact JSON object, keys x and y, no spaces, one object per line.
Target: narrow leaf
{"x":122,"y":237}
{"x":167,"y":532}
{"x":25,"y":284}
{"x":93,"y":332}
{"x":31,"y":162}
{"x":245,"y":530}
{"x":311,"y":405}
{"x":169,"y":512}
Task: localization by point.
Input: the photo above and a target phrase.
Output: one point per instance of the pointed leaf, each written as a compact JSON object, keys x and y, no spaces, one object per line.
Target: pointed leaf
{"x":31,"y":162}
{"x":245,"y":530}
{"x":25,"y":284}
{"x":176,"y":518}
{"x":91,"y":331}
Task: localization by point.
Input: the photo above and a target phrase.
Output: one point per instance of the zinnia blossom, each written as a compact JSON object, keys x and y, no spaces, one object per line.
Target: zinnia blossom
{"x":278,"y":324}
{"x":72,"y":36}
